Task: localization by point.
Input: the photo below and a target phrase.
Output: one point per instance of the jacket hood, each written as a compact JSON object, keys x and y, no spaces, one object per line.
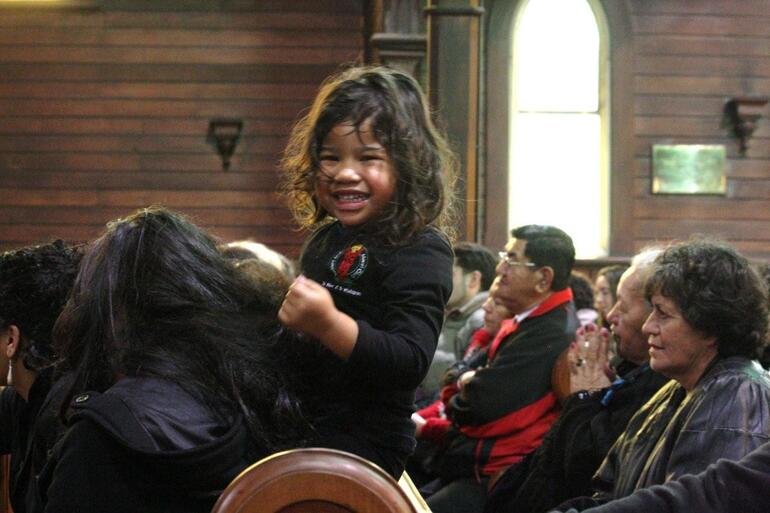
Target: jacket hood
{"x":170,"y":431}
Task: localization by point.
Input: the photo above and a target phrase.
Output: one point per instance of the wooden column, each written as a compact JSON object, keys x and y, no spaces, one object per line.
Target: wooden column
{"x":454,"y":38}
{"x":395,"y":36}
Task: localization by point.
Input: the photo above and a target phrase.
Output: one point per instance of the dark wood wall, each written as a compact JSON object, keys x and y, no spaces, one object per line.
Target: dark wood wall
{"x":674,"y":65}
{"x":105,"y":109}
{"x":691,"y":56}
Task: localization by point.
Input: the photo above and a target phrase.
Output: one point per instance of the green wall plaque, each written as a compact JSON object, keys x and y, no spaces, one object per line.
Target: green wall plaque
{"x":688,"y":169}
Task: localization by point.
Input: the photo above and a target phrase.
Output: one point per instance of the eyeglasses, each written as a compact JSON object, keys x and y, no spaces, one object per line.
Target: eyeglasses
{"x":509,"y":260}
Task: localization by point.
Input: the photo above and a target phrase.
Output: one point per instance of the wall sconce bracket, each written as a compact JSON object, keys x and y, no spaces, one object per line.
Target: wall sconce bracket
{"x":224,"y":134}
{"x":743,"y":113}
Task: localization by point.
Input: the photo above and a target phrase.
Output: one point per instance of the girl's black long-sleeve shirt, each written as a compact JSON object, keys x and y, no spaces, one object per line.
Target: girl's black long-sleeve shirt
{"x":397,"y":296}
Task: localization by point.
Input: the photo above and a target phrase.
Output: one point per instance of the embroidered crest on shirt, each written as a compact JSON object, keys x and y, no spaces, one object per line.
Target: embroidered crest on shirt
{"x":349,"y":264}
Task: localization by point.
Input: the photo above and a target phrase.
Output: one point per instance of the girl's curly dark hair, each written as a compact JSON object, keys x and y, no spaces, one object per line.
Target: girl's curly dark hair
{"x":393,"y":105}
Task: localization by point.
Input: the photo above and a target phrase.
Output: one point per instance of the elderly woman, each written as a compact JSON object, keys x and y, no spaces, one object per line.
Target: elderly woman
{"x":708,"y":324}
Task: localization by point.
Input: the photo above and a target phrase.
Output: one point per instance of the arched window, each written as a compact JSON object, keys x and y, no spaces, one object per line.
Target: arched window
{"x":560,"y":121}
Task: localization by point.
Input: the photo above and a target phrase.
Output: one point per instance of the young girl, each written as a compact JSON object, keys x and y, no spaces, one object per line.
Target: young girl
{"x":369,"y":172}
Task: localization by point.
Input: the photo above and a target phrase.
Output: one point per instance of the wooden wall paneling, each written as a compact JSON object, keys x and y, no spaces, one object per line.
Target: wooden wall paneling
{"x":691,"y":57}
{"x":712,"y":7}
{"x":758,"y":147}
{"x":674,"y":64}
{"x":104,"y":96}
{"x":105,"y":111}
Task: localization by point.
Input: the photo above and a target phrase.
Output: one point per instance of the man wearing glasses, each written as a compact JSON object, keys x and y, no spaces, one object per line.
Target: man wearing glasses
{"x":502,"y":410}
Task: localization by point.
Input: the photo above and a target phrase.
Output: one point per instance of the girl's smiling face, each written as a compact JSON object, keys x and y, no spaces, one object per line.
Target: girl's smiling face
{"x":356,"y":180}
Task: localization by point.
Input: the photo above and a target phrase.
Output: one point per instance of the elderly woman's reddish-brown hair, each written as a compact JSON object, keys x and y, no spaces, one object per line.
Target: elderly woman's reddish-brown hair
{"x":718,"y":292}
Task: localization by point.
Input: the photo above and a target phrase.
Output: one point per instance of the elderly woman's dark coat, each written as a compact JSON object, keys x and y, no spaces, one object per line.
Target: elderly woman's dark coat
{"x":726,"y":415}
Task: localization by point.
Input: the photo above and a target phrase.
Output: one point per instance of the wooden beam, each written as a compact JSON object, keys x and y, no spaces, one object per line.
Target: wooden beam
{"x":454,"y":39}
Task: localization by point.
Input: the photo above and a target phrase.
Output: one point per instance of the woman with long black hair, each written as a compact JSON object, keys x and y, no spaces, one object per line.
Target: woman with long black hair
{"x":177,"y":373}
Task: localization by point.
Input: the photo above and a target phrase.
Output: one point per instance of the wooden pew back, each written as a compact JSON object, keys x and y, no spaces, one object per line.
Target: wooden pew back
{"x":316,"y":480}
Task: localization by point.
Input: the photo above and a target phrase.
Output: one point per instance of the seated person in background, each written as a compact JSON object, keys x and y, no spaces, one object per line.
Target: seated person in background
{"x":502,"y":410}
{"x":583,"y":297}
{"x":271,"y":282}
{"x":596,"y":412}
{"x":605,"y":291}
{"x":34,"y":283}
{"x":177,"y":376}
{"x":724,"y":487}
{"x":248,"y":249}
{"x":763,"y":269}
{"x":707,"y":326}
{"x":431,"y":421}
{"x":472,"y":275}
{"x":494,"y":315}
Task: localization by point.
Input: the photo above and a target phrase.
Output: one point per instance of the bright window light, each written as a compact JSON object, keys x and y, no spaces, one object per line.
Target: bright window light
{"x":557,"y":165}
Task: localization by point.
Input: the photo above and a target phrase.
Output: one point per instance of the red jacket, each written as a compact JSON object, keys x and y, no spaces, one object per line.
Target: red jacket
{"x":436,"y":422}
{"x":504,"y":411}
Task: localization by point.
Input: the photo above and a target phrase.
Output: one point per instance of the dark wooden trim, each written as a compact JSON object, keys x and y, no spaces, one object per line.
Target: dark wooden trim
{"x":441,"y":10}
{"x":621,"y":127}
{"x":472,"y":142}
{"x":496,"y":143}
{"x":59,"y":5}
{"x":453,"y":89}
{"x":372,"y":25}
{"x":404,"y":42}
{"x":591,"y":267}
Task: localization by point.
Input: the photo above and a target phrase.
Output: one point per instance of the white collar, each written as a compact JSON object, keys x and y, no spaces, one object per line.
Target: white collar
{"x":523,"y":315}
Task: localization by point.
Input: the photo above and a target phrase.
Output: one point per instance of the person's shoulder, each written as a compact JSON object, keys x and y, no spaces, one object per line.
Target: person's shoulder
{"x":430,"y":242}
{"x":9,"y":395}
{"x":660,"y":400}
{"x":735,"y":372}
{"x":433,"y":235}
{"x":552,"y":320}
{"x":320,"y":233}
{"x":733,"y":380}
{"x":731,"y":396}
{"x":10,"y":402}
{"x":150,"y":414}
{"x":475,"y":319}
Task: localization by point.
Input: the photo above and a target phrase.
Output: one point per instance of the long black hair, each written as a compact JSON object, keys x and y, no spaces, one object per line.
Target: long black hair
{"x":154,"y":296}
